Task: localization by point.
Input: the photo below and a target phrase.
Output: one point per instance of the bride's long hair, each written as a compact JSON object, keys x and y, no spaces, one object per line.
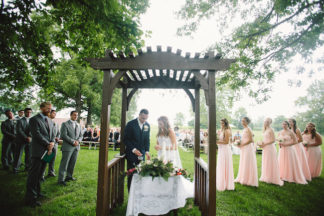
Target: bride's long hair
{"x":166,"y":126}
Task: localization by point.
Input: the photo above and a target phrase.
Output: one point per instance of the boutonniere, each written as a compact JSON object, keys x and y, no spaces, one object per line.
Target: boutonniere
{"x":146,"y":128}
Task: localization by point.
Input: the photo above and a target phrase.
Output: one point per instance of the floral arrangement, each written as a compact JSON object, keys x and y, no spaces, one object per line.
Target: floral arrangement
{"x":182,"y":172}
{"x":155,"y":168}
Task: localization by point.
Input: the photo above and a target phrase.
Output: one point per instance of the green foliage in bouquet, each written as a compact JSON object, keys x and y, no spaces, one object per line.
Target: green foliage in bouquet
{"x":156,"y":168}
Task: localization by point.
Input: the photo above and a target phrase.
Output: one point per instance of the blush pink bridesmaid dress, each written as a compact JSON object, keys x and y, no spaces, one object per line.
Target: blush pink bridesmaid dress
{"x":270,"y":166}
{"x":314,"y":156}
{"x":289,"y":165}
{"x":248,"y":171}
{"x":224,"y":169}
{"x":303,"y":160}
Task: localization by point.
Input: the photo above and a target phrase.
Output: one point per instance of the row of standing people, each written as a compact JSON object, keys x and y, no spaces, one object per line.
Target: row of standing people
{"x":299,"y":160}
{"x":42,"y":135}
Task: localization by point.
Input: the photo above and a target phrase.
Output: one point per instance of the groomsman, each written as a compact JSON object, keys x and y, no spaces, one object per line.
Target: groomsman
{"x":8,"y":131}
{"x":71,"y":135}
{"x":20,"y":115}
{"x":23,"y":140}
{"x":41,"y":128}
{"x":51,"y":170}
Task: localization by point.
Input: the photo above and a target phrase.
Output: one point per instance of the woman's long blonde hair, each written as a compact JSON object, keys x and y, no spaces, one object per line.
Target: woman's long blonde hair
{"x":166,"y":129}
{"x":270,"y":120}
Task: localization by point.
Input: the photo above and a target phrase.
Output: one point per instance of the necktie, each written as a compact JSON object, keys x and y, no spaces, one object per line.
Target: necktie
{"x":75,"y":129}
{"x":47,"y":125}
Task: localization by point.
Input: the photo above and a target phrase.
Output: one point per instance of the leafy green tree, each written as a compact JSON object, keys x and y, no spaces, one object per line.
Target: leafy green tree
{"x":131,"y":113}
{"x":75,"y":86}
{"x":269,"y":35}
{"x":31,"y":30}
{"x":238,"y":115}
{"x":314,"y":102}
{"x":179,"y":119}
{"x":277,"y":122}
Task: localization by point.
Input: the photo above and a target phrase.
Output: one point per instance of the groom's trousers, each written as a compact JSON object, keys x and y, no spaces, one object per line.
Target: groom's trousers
{"x":130,"y":165}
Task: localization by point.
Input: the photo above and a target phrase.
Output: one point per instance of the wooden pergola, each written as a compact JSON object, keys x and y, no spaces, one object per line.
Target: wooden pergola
{"x":166,"y":70}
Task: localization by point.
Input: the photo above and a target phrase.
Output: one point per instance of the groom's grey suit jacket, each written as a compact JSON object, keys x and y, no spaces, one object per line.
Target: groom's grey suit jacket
{"x":41,"y":135}
{"x":69,"y":135}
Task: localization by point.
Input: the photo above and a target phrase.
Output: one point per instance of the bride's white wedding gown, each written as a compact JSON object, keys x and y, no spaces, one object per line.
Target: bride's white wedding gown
{"x":166,"y":154}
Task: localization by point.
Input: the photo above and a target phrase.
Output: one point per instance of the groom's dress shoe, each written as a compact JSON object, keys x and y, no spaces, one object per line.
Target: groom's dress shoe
{"x":67,"y":179}
{"x":62,"y":183}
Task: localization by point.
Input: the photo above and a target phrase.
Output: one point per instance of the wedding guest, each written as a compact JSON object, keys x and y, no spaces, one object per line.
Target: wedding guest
{"x":116,"y":139}
{"x":224,"y":169}
{"x":95,"y":135}
{"x":270,"y":166}
{"x":56,"y":131}
{"x":248,"y":172}
{"x":237,"y":136}
{"x":111,"y":134}
{"x":289,"y":165}
{"x":87,"y":135}
{"x":23,"y":140}
{"x":313,"y":142}
{"x":8,"y":131}
{"x":300,"y":149}
{"x":71,"y":136}
{"x":41,"y":128}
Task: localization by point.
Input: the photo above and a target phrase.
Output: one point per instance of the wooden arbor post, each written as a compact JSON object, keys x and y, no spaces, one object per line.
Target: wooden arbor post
{"x":211,"y":180}
{"x":102,"y":188}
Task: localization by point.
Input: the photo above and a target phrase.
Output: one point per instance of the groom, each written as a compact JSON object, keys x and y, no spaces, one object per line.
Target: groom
{"x":137,"y":141}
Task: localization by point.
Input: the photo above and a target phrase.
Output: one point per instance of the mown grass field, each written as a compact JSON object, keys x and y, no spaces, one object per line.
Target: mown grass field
{"x":79,"y":198}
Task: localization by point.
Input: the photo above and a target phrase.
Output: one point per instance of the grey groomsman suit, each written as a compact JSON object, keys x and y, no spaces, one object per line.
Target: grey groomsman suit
{"x":8,"y":131}
{"x":70,"y":132}
{"x":41,"y":128}
{"x":51,"y":164}
{"x":22,"y":131}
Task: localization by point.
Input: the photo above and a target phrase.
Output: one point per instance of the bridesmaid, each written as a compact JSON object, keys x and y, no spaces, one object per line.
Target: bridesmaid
{"x":270,"y":165}
{"x":224,"y":170}
{"x":289,"y":165}
{"x":300,"y":149}
{"x":248,"y":171}
{"x":313,"y":149}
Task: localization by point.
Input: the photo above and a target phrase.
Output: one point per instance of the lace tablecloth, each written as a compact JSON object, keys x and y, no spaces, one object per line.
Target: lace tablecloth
{"x":158,"y":196}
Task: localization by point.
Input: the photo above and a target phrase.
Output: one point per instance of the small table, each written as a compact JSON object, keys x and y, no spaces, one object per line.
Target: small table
{"x":158,"y":197}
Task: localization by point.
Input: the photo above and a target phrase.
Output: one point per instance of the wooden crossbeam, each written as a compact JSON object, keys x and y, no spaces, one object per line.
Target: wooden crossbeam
{"x":162,"y":60}
{"x":181,"y":75}
{"x":147,"y":74}
{"x":140,"y":74}
{"x":188,"y":76}
{"x":133,"y":75}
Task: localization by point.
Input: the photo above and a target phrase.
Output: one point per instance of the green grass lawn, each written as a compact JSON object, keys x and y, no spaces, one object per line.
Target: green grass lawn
{"x":79,"y":198}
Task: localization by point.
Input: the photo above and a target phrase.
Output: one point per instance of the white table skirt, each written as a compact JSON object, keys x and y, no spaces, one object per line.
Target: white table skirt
{"x":158,"y":196}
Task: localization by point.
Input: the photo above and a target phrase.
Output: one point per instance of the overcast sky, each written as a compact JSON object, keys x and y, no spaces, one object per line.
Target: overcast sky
{"x":161,"y":20}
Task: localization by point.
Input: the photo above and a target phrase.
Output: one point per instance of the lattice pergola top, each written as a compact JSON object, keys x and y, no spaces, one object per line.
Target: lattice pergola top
{"x":161,"y":69}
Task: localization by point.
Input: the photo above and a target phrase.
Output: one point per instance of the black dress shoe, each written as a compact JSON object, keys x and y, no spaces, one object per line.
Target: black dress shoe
{"x":41,"y":195}
{"x":62,"y":183}
{"x":51,"y":175}
{"x":70,"y":179}
{"x":33,"y":204}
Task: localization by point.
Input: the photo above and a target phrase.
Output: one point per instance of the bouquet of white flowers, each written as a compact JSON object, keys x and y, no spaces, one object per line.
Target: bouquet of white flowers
{"x":237,"y":142}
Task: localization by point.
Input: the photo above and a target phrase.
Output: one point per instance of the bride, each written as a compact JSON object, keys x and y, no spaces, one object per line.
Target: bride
{"x":167,"y":143}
